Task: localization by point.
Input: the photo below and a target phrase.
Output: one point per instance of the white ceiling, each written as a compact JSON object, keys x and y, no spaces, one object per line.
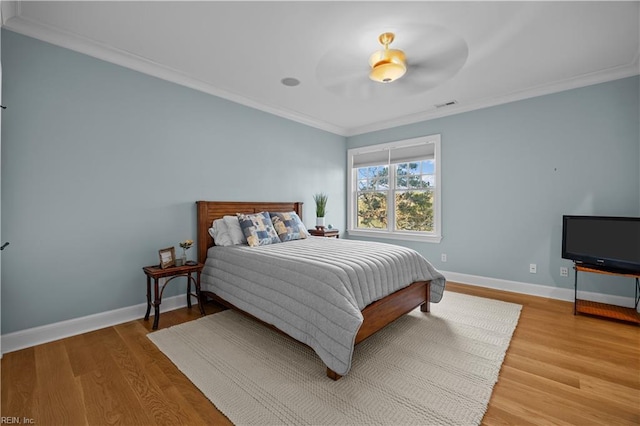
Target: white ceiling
{"x":497,"y":51}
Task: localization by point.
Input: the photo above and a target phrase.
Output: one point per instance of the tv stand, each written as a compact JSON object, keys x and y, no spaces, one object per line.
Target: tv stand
{"x":602,"y":309}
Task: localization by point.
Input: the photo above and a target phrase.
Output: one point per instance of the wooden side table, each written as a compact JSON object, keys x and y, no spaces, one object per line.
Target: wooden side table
{"x":601,"y":309}
{"x":325,"y":232}
{"x":155,"y":272}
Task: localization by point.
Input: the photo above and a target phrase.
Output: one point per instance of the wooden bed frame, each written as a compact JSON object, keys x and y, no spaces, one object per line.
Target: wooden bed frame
{"x":376,"y":315}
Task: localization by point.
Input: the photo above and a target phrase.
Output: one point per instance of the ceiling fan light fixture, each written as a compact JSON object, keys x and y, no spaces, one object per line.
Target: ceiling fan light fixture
{"x":389,"y":64}
{"x":386,"y":73}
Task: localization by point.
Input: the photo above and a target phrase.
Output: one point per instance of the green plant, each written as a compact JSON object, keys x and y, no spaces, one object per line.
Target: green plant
{"x":321,"y":204}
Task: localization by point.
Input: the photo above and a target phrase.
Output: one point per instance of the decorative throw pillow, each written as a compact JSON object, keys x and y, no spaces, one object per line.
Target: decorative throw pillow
{"x":258,"y":229}
{"x":288,"y":226}
{"x":234,"y":230}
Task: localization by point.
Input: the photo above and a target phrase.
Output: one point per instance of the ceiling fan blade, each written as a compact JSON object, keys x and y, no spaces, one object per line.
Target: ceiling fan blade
{"x":433,"y":56}
{"x":338,"y":79}
{"x":442,"y":59}
{"x":345,"y":74}
{"x":436,"y":65}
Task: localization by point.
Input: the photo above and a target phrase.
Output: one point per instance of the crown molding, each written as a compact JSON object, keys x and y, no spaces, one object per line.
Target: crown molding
{"x":610,"y":74}
{"x":8,"y":9}
{"x":12,"y":20}
{"x":147,"y":66}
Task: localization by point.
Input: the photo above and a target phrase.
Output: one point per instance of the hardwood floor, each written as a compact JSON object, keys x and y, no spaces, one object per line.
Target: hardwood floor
{"x":559,"y":369}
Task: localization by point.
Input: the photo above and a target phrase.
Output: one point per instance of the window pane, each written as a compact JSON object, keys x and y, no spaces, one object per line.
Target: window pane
{"x":414,"y":211}
{"x":428,"y":180}
{"x":402,"y":169}
{"x":401,"y":182}
{"x":428,"y":167}
{"x":363,"y":184}
{"x":382,"y":184}
{"x":368,"y":172}
{"x":372,"y":210}
{"x":414,"y":168}
{"x":378,"y":171}
{"x":415,"y":182}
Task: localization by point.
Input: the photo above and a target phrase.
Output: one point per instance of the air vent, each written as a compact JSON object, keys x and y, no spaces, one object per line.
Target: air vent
{"x":446,"y":104}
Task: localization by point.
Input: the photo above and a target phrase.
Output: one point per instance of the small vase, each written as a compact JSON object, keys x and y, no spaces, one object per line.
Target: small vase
{"x":319,"y":222}
{"x":184,"y":256}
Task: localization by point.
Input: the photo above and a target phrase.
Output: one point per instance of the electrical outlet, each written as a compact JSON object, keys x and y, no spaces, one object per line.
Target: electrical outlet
{"x":443,"y":257}
{"x":564,"y":271}
{"x":533,"y":268}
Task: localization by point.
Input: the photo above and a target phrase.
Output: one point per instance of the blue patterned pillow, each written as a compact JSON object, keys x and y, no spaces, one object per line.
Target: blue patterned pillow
{"x":258,"y":229}
{"x":288,"y":226}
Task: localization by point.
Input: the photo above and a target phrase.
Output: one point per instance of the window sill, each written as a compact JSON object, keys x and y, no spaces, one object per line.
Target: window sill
{"x":395,"y":235}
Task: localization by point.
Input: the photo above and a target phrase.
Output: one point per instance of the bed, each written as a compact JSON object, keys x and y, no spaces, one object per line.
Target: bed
{"x":354,"y":322}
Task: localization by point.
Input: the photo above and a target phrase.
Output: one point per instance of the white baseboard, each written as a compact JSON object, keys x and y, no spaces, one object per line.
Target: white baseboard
{"x":50,"y":332}
{"x":537,"y":290}
{"x":59,"y":330}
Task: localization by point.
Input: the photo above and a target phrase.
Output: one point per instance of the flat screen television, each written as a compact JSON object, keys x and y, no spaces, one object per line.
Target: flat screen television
{"x":604,"y":242}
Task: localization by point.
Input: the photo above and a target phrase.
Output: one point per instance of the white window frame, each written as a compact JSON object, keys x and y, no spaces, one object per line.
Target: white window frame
{"x":352,"y":181}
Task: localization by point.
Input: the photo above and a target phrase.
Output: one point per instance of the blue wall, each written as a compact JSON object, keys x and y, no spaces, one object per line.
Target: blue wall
{"x":101,"y":167}
{"x":510,"y":172}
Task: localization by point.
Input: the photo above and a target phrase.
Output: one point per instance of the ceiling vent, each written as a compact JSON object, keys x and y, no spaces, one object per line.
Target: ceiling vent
{"x":446,"y":104}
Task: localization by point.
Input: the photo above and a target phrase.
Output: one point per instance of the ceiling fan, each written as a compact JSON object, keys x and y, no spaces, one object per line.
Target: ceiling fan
{"x":389,"y":64}
{"x":430,"y":55}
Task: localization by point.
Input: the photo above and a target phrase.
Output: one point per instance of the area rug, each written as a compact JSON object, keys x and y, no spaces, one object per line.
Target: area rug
{"x":436,"y":368}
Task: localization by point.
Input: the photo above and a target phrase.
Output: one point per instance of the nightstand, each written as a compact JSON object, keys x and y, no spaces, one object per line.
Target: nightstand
{"x":325,"y":232}
{"x":155,"y":273}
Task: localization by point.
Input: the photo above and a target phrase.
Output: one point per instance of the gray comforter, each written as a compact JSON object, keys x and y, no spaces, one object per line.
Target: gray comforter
{"x":314,"y":289}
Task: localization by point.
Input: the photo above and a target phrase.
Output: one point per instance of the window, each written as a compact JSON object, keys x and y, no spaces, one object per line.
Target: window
{"x":395,"y":190}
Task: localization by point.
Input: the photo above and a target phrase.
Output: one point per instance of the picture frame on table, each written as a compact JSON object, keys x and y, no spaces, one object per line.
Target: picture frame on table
{"x":167,"y":257}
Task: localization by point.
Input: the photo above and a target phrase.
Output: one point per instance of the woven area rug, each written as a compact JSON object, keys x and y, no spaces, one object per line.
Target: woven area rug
{"x":435,"y":368}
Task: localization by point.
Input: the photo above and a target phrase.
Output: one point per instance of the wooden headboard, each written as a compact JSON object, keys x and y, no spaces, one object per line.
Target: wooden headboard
{"x":208,"y":211}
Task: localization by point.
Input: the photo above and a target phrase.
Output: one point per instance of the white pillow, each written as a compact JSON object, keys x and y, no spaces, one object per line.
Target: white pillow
{"x":220,"y":234}
{"x":234,"y":230}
